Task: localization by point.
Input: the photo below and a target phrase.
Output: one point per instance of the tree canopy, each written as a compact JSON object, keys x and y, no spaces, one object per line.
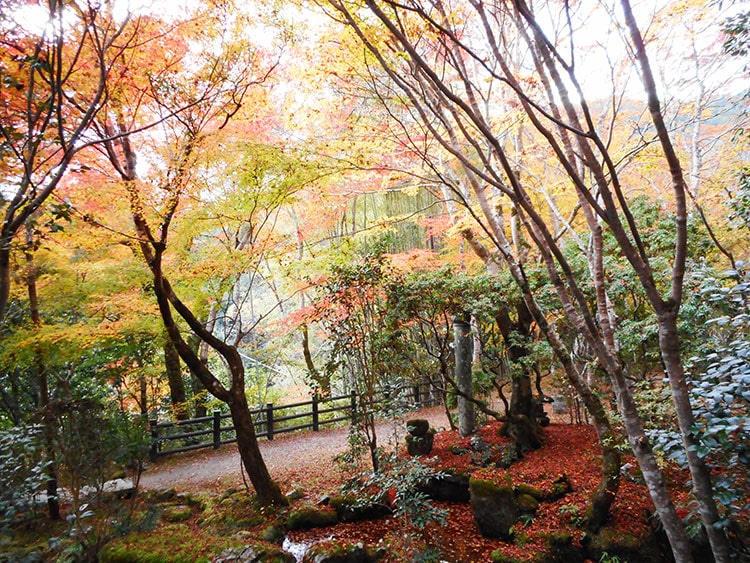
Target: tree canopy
{"x":321,"y":189}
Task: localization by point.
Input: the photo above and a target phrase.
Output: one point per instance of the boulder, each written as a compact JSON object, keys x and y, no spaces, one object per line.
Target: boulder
{"x":420,"y":445}
{"x":331,"y":552}
{"x":349,"y":509}
{"x":494,"y":508}
{"x":451,"y":487}
{"x":417,"y":426}
{"x":253,"y":554}
{"x":310,"y":517}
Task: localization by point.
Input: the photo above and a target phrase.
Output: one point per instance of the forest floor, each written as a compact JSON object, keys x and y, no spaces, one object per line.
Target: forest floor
{"x":305,"y":462}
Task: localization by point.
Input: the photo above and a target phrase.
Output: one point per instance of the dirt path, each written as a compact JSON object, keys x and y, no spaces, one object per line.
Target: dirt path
{"x":306,"y":457}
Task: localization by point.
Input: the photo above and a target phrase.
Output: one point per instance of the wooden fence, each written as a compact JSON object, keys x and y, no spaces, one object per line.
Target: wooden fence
{"x":212,"y":431}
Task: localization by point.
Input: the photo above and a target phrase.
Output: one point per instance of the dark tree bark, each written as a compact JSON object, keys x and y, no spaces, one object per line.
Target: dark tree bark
{"x":48,"y":422}
{"x":174,"y":379}
{"x":522,"y":424}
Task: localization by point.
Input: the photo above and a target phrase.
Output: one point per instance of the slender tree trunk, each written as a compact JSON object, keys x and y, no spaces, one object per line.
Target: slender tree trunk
{"x":247,"y":443}
{"x":701,"y":476}
{"x":53,"y":503}
{"x":463,"y":346}
{"x":174,"y":379}
{"x":5,"y":244}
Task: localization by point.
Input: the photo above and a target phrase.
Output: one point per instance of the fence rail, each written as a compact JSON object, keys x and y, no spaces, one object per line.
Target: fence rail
{"x":186,"y":435}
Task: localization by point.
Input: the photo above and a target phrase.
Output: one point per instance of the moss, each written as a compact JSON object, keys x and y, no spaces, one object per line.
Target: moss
{"x":174,"y":543}
{"x":497,"y":557}
{"x":336,"y":552}
{"x":177,"y":513}
{"x":483,"y":487}
{"x":625,"y":545}
{"x":310,"y":517}
{"x":559,"y":488}
{"x":273,"y":534}
{"x":232,"y":511}
{"x":557,"y":539}
{"x":526,"y":489}
{"x":527,"y":503}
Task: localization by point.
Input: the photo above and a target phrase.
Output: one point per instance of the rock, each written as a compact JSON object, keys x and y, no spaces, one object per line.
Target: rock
{"x":417,"y":426}
{"x":449,"y":487}
{"x":625,"y":545}
{"x":349,"y":510}
{"x":164,"y":496}
{"x":527,"y":504}
{"x":420,"y":445}
{"x":494,"y":508}
{"x":253,"y":554}
{"x":294,"y":494}
{"x":559,"y":549}
{"x":478,"y":444}
{"x":330,"y":552}
{"x":273,"y":534}
{"x":526,"y":489}
{"x":560,"y":487}
{"x":117,"y":488}
{"x":559,"y":405}
{"x":310,"y":517}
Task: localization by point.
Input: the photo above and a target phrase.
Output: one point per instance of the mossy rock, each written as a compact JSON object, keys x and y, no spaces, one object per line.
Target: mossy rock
{"x":232,"y":511}
{"x":559,"y":549}
{"x":335,"y":552}
{"x":166,"y":495}
{"x":177,"y":513}
{"x":417,"y":426}
{"x":497,"y":557}
{"x":559,"y":488}
{"x":452,"y":486}
{"x":531,"y":490}
{"x":625,"y":545}
{"x":311,"y":517}
{"x":527,"y":503}
{"x":420,"y":445}
{"x":349,"y":509}
{"x":254,"y":553}
{"x":494,"y":508}
{"x":487,"y":487}
{"x":273,"y":534}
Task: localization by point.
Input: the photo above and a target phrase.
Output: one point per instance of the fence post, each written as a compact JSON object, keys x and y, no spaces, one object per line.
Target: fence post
{"x":417,"y":395}
{"x":315,"y":421}
{"x":153,"y":452}
{"x":217,"y":429}
{"x":269,"y":421}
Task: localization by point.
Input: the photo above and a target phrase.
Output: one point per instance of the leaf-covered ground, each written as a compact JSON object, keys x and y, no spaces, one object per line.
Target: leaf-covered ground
{"x":305,"y":463}
{"x":569,"y":450}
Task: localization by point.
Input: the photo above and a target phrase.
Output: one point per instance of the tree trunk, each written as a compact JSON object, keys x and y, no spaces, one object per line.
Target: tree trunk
{"x":322,"y":381}
{"x":701,"y":476}
{"x":247,"y":443}
{"x":53,"y":503}
{"x":174,"y":378}
{"x":521,"y":425}
{"x":606,"y":491}
{"x":463,"y":343}
{"x":5,"y":245}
